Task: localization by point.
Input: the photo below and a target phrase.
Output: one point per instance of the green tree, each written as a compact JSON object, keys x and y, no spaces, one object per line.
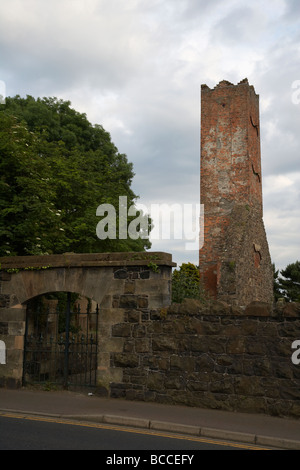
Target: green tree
{"x":290,"y":283}
{"x":56,"y":169}
{"x":26,"y":196}
{"x":186,"y":283}
{"x":277,"y":292}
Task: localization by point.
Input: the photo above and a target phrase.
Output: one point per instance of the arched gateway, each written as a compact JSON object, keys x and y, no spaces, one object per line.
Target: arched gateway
{"x":123,"y":285}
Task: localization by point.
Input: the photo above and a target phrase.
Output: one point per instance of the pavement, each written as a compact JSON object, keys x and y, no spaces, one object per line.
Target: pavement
{"x":258,"y":429}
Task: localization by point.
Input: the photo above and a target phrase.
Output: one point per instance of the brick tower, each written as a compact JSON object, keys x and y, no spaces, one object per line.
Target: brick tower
{"x":234,"y":261}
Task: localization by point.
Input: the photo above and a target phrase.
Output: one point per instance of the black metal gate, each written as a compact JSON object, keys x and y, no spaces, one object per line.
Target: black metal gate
{"x":61,"y":347}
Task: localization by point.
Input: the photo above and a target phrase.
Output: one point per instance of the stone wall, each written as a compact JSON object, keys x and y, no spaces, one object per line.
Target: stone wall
{"x":117,"y":282}
{"x":245,"y":264}
{"x":12,"y":329}
{"x":213,"y":356}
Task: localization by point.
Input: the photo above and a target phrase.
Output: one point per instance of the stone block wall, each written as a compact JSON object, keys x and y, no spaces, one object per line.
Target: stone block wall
{"x":140,"y":291}
{"x":124,"y":285}
{"x":213,"y":356}
{"x":12,"y":329}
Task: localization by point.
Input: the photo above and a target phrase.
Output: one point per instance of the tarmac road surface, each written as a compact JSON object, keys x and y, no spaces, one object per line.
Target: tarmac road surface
{"x":252,"y":429}
{"x":27,"y":432}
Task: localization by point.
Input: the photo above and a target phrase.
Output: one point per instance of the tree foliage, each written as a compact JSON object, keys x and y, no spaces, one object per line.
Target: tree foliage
{"x":56,"y":168}
{"x":289,"y":284}
{"x":276,"y":284}
{"x":186,"y":283}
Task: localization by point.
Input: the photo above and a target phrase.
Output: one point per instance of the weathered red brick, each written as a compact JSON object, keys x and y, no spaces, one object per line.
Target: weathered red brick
{"x":231,"y":264}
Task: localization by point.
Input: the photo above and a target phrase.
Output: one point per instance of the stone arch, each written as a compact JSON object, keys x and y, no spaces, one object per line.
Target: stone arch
{"x":61,"y":341}
{"x":94,"y":283}
{"x":117,"y":282}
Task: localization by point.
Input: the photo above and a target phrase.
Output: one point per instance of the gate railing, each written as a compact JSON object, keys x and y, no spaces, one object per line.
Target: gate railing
{"x":61,"y":347}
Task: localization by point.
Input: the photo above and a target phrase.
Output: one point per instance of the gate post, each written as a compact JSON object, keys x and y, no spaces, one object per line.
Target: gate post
{"x":12,"y":330}
{"x":138,"y":287}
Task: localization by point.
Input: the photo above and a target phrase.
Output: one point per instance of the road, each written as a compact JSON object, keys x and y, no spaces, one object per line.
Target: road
{"x":19,"y":432}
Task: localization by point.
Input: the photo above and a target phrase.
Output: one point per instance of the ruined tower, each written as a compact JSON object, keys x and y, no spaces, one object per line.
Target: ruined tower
{"x":234,"y":261}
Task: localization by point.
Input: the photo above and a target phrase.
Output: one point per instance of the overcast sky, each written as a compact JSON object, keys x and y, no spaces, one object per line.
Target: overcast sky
{"x":136,"y":67}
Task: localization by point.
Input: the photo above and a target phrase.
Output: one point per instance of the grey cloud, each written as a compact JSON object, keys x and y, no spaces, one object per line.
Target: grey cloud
{"x":101,"y":50}
{"x":292,"y":11}
{"x":241,"y":24}
{"x":280,"y":120}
